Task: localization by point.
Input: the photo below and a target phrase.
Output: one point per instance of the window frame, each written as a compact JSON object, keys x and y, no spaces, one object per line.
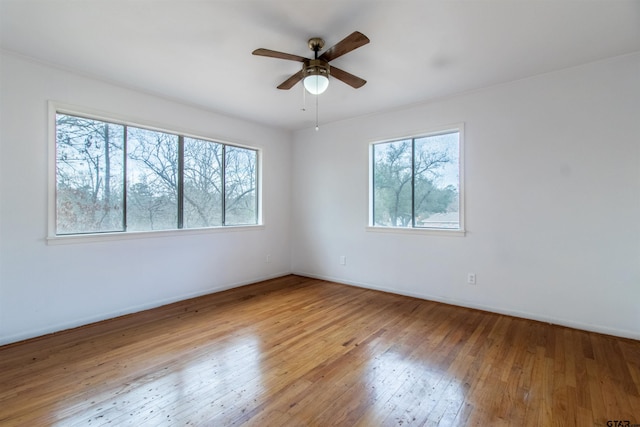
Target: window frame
{"x":55,"y":108}
{"x":412,"y":229}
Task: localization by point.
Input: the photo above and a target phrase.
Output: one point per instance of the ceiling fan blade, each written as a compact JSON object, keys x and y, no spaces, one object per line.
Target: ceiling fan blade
{"x":281,"y":55}
{"x":346,"y":45}
{"x":348,"y":78}
{"x":291,"y":81}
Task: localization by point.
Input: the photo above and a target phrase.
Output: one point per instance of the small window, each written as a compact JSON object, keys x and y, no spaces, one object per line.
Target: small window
{"x":114,"y":177}
{"x":416,"y":182}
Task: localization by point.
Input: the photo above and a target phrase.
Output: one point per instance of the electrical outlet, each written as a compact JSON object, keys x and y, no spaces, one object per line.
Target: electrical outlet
{"x":471,"y":278}
{"x":343,"y":260}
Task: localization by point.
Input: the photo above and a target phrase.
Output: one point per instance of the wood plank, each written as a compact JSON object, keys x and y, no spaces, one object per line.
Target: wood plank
{"x":297,"y":351}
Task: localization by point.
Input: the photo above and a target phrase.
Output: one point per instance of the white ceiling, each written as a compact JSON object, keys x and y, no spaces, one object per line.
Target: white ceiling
{"x":199,"y":52}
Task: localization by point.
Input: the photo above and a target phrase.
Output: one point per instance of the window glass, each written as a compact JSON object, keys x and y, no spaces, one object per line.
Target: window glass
{"x":89,"y":175}
{"x":107,"y":172}
{"x":240,"y":186}
{"x":437,"y":178}
{"x":392,"y":183}
{"x":202,"y":183}
{"x":152,"y":180}
{"x":416,"y":182}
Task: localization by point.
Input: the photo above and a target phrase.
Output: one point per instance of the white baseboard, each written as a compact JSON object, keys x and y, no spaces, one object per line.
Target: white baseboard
{"x":623,"y":333}
{"x":158,"y":303}
{"x":128,"y":310}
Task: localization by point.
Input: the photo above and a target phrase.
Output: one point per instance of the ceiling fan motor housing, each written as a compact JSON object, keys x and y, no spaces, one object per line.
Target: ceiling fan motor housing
{"x":316,"y":67}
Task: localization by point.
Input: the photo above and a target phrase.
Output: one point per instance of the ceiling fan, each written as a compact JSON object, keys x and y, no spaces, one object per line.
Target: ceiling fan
{"x":315,"y":72}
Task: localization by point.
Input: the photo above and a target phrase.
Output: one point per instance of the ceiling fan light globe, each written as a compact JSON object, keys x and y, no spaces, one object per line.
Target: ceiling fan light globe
{"x":316,"y":84}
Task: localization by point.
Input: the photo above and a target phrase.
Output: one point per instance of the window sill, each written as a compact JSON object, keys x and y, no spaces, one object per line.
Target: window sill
{"x":131,"y":235}
{"x":421,"y":231}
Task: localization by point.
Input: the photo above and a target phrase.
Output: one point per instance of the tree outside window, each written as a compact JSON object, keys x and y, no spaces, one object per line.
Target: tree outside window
{"x":416,"y":182}
{"x":113,"y":177}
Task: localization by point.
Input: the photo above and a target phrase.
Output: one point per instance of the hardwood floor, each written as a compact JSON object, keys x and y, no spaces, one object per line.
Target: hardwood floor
{"x":295,"y":351}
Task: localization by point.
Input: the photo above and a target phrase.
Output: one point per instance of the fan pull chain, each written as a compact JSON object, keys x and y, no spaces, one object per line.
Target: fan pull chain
{"x":304,"y":99}
{"x":317,"y":126}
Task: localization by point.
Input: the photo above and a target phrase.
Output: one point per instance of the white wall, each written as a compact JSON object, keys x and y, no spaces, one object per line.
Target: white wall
{"x":552,"y":206}
{"x":45,"y":288}
{"x":552,"y":201}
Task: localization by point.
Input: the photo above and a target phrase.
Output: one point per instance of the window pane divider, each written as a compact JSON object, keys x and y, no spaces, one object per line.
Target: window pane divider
{"x":413,"y":183}
{"x":180,"y":181}
{"x":223,"y":185}
{"x":125,"y":141}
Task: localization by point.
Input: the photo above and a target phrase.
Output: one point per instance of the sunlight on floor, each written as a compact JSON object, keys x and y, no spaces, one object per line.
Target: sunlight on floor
{"x":407,"y":390}
{"x":200,"y":389}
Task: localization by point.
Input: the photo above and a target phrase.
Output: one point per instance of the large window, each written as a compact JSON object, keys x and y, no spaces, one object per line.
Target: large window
{"x":416,"y":182}
{"x":113,"y":177}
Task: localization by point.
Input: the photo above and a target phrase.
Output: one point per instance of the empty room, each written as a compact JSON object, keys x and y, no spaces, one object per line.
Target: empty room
{"x":320,"y":213}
